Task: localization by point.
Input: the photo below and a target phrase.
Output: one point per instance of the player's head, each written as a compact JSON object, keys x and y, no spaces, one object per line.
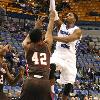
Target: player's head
{"x":35,"y":35}
{"x":71,"y":17}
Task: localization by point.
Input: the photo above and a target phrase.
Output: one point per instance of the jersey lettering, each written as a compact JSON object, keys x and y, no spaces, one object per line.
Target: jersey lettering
{"x":35,"y":58}
{"x":63,"y":32}
{"x":65,"y":46}
{"x":41,"y":59}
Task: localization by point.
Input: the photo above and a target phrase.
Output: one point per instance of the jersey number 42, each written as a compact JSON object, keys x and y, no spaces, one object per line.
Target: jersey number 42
{"x":39,"y":58}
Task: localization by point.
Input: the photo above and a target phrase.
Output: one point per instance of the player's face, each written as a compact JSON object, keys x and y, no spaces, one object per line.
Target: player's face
{"x":70,"y":17}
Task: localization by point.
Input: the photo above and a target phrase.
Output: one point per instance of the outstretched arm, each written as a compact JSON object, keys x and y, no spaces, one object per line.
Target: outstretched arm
{"x":39,"y":22}
{"x":58,"y":22}
{"x":27,"y":41}
{"x":48,"y":35}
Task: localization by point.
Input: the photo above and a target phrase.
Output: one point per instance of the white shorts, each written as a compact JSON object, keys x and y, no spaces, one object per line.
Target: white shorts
{"x":69,"y":70}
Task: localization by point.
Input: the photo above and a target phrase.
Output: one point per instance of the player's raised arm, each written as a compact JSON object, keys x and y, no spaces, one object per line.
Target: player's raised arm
{"x":48,"y":35}
{"x":39,"y":25}
{"x":57,"y":20}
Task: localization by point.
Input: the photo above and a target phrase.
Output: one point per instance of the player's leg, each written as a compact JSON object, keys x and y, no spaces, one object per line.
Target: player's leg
{"x":35,"y":89}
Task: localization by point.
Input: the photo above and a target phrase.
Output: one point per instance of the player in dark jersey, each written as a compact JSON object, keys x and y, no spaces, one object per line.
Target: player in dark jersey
{"x":38,"y":57}
{"x":37,"y":52}
{"x":4,"y":72}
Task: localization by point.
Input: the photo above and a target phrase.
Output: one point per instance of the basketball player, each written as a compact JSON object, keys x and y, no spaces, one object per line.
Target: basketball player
{"x":4,"y":72}
{"x":37,"y":52}
{"x":64,"y":55}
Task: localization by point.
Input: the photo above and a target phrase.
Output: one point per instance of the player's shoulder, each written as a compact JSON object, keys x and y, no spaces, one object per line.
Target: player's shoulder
{"x":78,"y":29}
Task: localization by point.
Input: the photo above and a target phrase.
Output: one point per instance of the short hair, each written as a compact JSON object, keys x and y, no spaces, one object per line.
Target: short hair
{"x":76,"y":17}
{"x":35,"y":35}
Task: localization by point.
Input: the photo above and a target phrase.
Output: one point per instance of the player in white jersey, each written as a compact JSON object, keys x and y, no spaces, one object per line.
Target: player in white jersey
{"x":64,"y":55}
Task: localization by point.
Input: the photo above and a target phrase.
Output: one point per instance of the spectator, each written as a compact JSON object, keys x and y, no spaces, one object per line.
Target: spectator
{"x":4,"y":72}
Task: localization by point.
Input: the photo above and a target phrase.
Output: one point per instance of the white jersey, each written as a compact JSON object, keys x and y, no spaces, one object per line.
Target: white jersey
{"x":67,"y":50}
{"x":65,"y":56}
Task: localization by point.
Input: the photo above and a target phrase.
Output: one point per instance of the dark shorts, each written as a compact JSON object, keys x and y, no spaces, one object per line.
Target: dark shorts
{"x":43,"y":72}
{"x":36,"y":89}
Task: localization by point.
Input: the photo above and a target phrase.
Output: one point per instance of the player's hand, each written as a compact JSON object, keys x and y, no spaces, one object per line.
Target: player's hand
{"x":21,"y":71}
{"x":39,"y":22}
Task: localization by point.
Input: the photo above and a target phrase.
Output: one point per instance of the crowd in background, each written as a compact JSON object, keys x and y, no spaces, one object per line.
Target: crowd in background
{"x":86,"y":76}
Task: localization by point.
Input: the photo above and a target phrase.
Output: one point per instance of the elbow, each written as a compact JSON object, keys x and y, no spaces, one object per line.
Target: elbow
{"x":78,"y":37}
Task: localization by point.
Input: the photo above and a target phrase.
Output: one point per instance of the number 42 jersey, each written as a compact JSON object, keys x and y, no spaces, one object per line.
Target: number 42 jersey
{"x":38,"y":59}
